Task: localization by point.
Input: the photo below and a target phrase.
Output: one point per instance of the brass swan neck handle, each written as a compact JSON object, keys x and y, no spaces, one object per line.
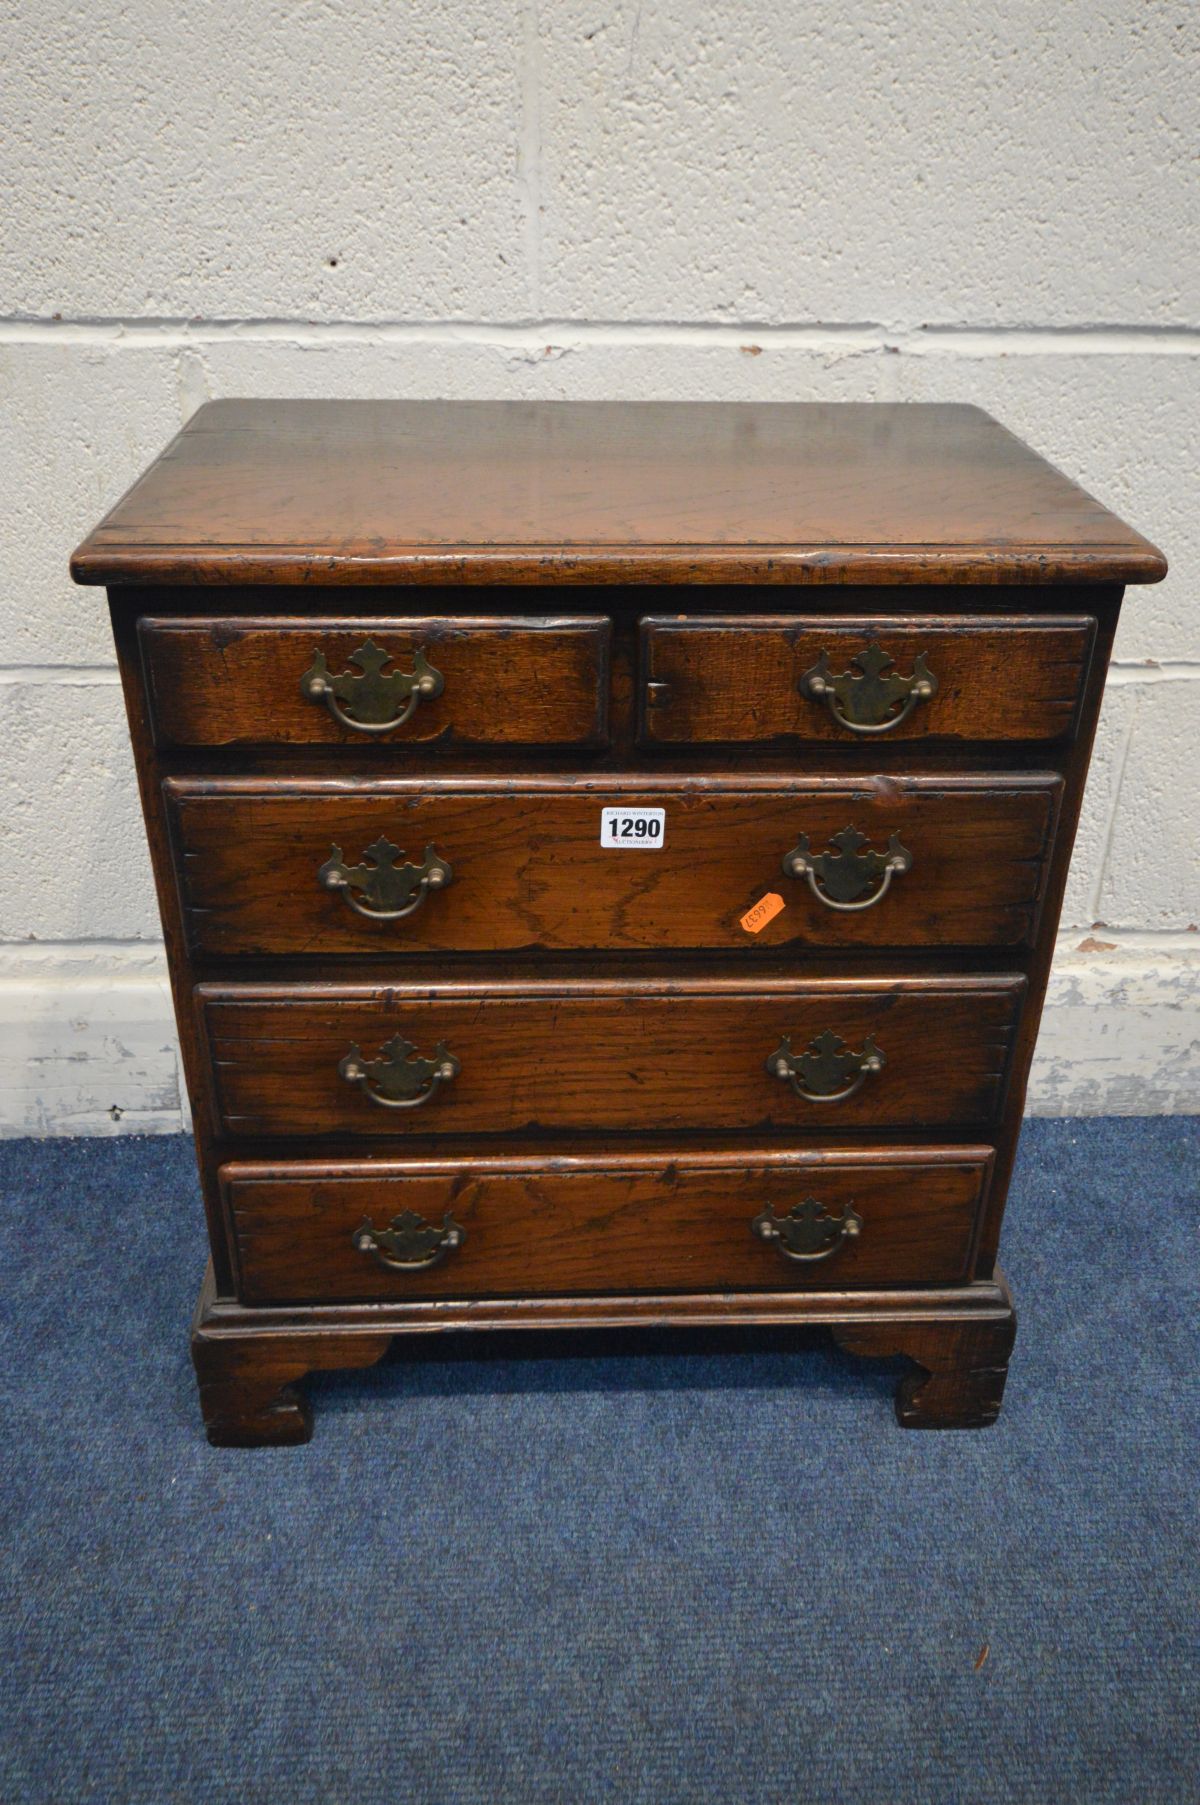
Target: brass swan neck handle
{"x":399,"y":1078}
{"x":827,"y":1071}
{"x":874,"y":698}
{"x":388,"y":891}
{"x":371,"y":700}
{"x":839,"y":877}
{"x":409,"y":1243}
{"x":808,"y":1232}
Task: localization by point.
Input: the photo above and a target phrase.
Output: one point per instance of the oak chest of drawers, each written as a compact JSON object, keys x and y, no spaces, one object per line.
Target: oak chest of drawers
{"x":609,"y":857}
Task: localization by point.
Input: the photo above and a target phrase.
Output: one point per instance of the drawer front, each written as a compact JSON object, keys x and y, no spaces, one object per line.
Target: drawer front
{"x":740,"y":680}
{"x":506,"y":1057}
{"x":524,"y":866}
{"x":444,"y":682}
{"x":490,"y":1228}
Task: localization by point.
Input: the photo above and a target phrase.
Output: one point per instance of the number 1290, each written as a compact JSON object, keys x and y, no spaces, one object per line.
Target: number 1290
{"x":644,"y":827}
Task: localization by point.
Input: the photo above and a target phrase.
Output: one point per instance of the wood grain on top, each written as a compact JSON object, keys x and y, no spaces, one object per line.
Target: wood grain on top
{"x":343,"y":492}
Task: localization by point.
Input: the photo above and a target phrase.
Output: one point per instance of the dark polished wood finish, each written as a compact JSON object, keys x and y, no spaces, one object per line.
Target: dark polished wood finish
{"x":508,"y":682}
{"x":584,"y":1227}
{"x":713,"y":681}
{"x":517,"y":492}
{"x":250,"y":1360}
{"x":961,"y":1372}
{"x":530,"y":873}
{"x":590,"y":1054}
{"x":610,"y":1142}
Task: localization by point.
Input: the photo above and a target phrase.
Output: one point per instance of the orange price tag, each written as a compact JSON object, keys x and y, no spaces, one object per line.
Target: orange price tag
{"x":765,"y":909}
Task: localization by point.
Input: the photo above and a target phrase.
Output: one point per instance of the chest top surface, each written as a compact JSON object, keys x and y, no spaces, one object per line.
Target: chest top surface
{"x":343,"y":492}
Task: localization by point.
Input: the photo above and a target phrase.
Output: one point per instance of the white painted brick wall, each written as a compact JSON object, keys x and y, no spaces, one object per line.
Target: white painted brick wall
{"x":745,"y":200}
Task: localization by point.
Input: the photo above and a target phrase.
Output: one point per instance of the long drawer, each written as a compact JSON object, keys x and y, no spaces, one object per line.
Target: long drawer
{"x":749,"y":679}
{"x":445,"y":681}
{"x":496,"y":1056}
{"x":489,"y":1227}
{"x":489,"y":865}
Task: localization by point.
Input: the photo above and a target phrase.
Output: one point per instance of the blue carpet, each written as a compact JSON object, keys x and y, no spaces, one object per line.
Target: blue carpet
{"x":642,"y":1570}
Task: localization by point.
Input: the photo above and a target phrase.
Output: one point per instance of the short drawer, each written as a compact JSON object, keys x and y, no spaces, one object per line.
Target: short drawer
{"x":508,"y":1056}
{"x":709,"y":680}
{"x":406,"y":682}
{"x":491,"y":865}
{"x":310,"y":1233}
